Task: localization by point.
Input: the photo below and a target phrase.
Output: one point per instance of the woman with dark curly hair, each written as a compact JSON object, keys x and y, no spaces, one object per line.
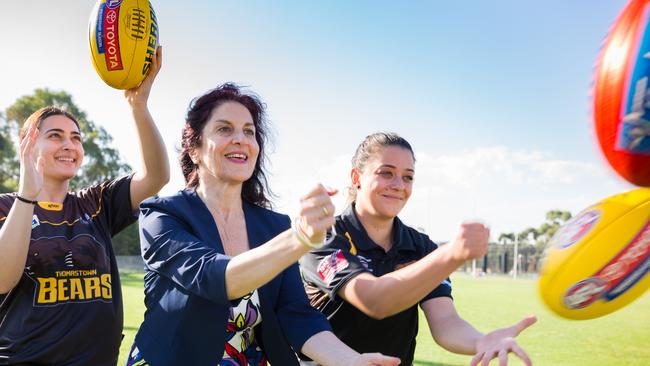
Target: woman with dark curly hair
{"x":222,"y":285}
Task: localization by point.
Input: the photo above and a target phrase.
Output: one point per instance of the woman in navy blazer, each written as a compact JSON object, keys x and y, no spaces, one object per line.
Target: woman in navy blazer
{"x":222,"y":285}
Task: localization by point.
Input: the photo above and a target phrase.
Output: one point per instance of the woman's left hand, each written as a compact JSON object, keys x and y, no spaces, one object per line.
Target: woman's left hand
{"x":140,"y":94}
{"x":500,"y":342}
{"x":375,"y":359}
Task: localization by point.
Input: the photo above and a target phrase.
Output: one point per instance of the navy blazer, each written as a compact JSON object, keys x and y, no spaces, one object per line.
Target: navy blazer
{"x":185,"y":288}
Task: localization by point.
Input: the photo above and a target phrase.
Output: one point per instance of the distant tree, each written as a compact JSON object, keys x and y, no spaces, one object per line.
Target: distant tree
{"x":101,"y":161}
{"x":127,"y":242}
{"x":527,"y":250}
{"x":558,"y":217}
{"x":506,"y":238}
{"x":532,"y":241}
{"x":506,"y":241}
{"x":8,"y":160}
{"x":554,"y":220}
{"x":528,"y":235}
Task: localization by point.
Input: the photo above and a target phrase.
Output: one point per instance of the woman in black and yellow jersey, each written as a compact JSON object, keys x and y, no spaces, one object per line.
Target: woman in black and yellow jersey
{"x":61,"y":301}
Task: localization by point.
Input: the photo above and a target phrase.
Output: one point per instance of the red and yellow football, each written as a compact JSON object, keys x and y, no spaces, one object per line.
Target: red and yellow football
{"x":598,"y":262}
{"x":621,"y":95}
{"x":123,"y":36}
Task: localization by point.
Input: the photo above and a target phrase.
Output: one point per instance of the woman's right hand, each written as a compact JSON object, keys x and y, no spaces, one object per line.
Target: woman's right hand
{"x":471,"y":241}
{"x":139,"y":96}
{"x":31,"y":166}
{"x":316,"y":213}
{"x":376,"y":359}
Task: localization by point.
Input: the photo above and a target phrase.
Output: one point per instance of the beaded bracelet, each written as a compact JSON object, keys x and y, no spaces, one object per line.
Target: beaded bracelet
{"x":22,"y":199}
{"x":304,"y":240}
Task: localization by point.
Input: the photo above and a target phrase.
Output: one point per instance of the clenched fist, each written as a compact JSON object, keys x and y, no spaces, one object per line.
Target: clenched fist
{"x":471,"y":241}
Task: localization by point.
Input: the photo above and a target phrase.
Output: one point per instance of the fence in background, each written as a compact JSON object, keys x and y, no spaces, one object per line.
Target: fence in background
{"x":130,"y":263}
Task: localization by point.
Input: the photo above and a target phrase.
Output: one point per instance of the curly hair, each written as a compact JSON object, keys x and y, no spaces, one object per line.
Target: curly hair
{"x":255,"y":189}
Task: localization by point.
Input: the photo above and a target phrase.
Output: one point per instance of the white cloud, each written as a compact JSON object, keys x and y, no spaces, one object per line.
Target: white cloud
{"x":499,"y":165}
{"x":508,"y":189}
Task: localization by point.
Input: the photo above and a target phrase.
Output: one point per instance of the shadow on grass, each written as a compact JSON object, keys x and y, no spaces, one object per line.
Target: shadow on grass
{"x":429,"y":363}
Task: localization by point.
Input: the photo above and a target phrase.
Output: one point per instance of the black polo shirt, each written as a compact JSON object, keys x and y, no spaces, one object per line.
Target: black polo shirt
{"x":326,"y":270}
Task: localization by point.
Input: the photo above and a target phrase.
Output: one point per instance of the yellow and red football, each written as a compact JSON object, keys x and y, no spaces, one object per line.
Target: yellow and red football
{"x":123,"y":36}
{"x":598,"y":262}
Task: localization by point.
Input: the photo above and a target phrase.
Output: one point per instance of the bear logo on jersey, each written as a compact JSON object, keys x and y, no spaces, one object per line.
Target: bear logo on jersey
{"x":76,"y":270}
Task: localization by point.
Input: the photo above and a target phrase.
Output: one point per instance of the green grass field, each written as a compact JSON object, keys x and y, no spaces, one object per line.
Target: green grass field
{"x":619,"y":339}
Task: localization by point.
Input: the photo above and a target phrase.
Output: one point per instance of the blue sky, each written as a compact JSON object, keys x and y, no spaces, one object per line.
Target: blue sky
{"x":493,"y":96}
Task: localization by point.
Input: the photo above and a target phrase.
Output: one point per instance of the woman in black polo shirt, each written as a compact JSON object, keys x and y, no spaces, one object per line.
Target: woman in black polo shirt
{"x":371,"y":278}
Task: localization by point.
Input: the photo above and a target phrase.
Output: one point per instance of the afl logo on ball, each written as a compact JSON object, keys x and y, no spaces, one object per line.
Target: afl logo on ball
{"x":584,"y":293}
{"x":575,"y":229}
{"x":113,"y":4}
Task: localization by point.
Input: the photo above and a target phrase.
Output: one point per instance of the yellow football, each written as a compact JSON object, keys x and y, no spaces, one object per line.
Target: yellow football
{"x":599,"y":260}
{"x":123,"y":36}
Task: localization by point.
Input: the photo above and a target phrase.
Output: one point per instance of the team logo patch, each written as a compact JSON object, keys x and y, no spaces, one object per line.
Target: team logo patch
{"x":85,"y":219}
{"x":35,"y":221}
{"x":331,"y":265}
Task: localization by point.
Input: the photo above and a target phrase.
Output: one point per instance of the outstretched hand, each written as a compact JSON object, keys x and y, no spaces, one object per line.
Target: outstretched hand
{"x":376,"y":359}
{"x":140,"y":94}
{"x":500,"y":342}
{"x":31,"y":166}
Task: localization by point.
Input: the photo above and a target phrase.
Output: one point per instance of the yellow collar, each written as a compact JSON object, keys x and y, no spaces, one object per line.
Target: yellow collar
{"x":51,"y":206}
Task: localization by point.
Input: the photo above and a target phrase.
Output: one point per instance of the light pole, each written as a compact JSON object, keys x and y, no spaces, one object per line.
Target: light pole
{"x":515,"y":257}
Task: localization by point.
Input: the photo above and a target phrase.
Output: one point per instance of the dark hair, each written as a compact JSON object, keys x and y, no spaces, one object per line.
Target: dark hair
{"x":370,"y":145}
{"x":37,"y":117}
{"x":255,"y":189}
